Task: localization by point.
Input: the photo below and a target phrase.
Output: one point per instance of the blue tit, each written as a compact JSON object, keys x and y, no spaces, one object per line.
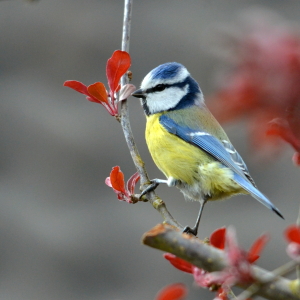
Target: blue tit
{"x":188,"y":144}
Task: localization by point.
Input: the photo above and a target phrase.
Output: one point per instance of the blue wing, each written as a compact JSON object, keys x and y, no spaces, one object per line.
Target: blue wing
{"x":228,"y":156}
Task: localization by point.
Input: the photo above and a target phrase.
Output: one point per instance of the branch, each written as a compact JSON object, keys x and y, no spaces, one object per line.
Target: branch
{"x":156,"y":202}
{"x":191,"y":249}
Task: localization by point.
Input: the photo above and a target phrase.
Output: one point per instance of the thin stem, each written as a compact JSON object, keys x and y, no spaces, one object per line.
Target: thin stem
{"x":139,"y":164}
{"x":126,"y":25}
{"x":156,"y":202}
{"x":281,"y":271}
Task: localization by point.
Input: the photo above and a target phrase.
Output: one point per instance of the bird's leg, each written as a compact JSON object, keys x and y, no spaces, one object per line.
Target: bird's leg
{"x":154,"y":183}
{"x":194,"y":230}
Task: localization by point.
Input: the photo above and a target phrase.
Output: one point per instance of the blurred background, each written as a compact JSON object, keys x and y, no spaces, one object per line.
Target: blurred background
{"x":63,"y":233}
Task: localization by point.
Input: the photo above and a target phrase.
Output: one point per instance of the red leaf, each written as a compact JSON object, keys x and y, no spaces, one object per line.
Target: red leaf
{"x":77,"y":86}
{"x":281,"y":128}
{"x":179,"y":263}
{"x":292,"y":234}
{"x":175,"y":291}
{"x":117,"y":179}
{"x":257,"y":247}
{"x":132,"y":182}
{"x":263,"y":82}
{"x":217,"y":238}
{"x":116,"y":67}
{"x":98,"y":91}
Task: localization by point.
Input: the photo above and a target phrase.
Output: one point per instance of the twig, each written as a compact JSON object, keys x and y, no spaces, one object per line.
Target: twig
{"x":191,"y":249}
{"x":254,"y":288}
{"x":126,"y":28}
{"x":156,"y":202}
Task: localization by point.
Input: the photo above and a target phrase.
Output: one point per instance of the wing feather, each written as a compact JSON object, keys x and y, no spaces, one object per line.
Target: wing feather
{"x":209,"y":144}
{"x":224,"y":152}
{"x":235,"y":156}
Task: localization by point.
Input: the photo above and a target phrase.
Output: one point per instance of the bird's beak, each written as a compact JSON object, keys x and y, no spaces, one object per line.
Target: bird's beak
{"x":139,"y":94}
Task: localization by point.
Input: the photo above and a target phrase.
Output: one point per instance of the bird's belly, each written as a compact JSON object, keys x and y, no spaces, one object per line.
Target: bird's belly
{"x":198,"y":175}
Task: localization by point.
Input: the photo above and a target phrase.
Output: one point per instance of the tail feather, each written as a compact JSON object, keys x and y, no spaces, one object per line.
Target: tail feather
{"x":255,"y":193}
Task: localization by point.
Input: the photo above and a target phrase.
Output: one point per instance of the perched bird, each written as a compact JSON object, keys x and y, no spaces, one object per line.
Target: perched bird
{"x":188,"y":144}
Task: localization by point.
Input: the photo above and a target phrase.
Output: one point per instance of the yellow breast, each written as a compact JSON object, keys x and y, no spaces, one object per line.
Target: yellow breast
{"x":173,"y":156}
{"x":189,"y":164}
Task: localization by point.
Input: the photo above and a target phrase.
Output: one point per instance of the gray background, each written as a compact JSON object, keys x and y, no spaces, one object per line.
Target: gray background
{"x":63,"y":234}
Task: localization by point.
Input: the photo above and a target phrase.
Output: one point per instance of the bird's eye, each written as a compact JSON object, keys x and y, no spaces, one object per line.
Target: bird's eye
{"x":159,"y":88}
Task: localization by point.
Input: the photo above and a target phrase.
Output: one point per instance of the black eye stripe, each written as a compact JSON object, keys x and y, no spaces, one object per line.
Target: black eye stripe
{"x":157,"y":88}
{"x":160,"y":87}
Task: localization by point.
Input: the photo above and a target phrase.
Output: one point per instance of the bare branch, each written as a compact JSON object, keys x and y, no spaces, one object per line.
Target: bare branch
{"x":191,"y":249}
{"x":126,"y":27}
{"x":156,"y":202}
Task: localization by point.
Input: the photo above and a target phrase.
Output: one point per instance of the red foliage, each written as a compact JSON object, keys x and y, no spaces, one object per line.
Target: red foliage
{"x":179,"y":263}
{"x":175,"y":291}
{"x":117,"y":183}
{"x":98,"y":92}
{"x":263,"y":84}
{"x":77,"y":86}
{"x":117,"y":179}
{"x":239,"y":263}
{"x":281,"y":128}
{"x":217,"y":238}
{"x":256,"y":248}
{"x":116,"y":67}
{"x":292,"y":234}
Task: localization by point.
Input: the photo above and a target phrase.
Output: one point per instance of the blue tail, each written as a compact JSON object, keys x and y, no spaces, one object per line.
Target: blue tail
{"x":255,"y":193}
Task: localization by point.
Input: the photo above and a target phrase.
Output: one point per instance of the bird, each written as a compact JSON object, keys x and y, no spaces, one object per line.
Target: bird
{"x":188,"y":144}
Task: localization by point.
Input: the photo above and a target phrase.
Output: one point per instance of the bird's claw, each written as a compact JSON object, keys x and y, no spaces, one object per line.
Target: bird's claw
{"x":151,"y":187}
{"x":190,"y":230}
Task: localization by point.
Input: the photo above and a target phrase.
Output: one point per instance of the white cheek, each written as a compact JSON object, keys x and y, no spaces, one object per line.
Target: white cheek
{"x":166,"y":99}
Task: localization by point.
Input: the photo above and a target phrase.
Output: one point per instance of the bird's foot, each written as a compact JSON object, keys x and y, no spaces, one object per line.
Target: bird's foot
{"x":154,"y":183}
{"x":190,"y":230}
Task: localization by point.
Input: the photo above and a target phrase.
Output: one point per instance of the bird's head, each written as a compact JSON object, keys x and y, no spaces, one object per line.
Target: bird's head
{"x":168,"y":87}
